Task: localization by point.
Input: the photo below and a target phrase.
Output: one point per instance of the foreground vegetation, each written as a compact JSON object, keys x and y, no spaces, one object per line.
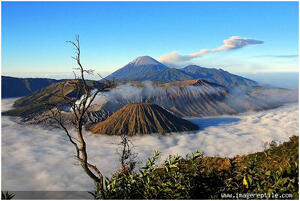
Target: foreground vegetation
{"x":271,"y":174}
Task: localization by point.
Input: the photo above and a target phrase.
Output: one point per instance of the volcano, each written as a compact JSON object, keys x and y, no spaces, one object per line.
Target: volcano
{"x":142,"y":118}
{"x":147,"y":68}
{"x":138,"y":68}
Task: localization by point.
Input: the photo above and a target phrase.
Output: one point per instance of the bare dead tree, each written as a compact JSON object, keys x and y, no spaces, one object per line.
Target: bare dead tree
{"x":127,"y":155}
{"x":79,"y":105}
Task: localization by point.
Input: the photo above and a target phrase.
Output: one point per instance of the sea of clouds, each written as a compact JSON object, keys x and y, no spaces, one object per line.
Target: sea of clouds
{"x":34,"y":158}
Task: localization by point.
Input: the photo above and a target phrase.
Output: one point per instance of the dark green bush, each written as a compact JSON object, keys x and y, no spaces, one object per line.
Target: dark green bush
{"x":274,"y":171}
{"x":5,"y":195}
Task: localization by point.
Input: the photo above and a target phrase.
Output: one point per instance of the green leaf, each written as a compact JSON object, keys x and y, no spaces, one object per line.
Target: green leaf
{"x":250,"y":180}
{"x":173,"y":166}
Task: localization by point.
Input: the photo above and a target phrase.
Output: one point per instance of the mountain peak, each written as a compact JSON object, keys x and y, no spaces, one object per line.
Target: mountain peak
{"x":137,"y":68}
{"x":145,"y":60}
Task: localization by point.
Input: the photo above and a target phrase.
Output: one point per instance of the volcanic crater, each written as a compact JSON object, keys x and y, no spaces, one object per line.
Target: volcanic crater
{"x":142,"y":118}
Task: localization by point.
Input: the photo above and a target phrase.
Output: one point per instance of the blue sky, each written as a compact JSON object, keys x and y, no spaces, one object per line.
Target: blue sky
{"x":114,"y":33}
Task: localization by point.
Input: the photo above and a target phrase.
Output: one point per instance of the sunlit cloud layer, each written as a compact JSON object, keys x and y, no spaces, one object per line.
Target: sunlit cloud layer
{"x":34,"y":158}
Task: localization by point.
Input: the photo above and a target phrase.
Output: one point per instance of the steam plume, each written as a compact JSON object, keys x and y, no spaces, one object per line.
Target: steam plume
{"x":234,"y":42}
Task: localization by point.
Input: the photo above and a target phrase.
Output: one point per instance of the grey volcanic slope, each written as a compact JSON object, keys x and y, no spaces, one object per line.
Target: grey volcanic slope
{"x":141,"y":118}
{"x":183,"y":98}
{"x":137,"y":68}
{"x":146,"y":68}
{"x":190,"y":98}
{"x":16,"y":87}
{"x":199,"y":98}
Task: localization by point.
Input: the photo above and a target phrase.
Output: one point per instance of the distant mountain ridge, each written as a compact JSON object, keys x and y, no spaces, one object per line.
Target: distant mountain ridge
{"x":218,"y":76}
{"x":35,"y":102}
{"x":146,"y":68}
{"x":16,"y":87}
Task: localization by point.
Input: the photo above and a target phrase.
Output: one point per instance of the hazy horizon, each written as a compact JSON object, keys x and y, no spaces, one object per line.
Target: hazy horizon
{"x":289,"y":80}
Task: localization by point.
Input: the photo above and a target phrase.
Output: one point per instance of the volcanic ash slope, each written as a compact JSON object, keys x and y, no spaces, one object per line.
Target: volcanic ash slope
{"x":142,"y":118}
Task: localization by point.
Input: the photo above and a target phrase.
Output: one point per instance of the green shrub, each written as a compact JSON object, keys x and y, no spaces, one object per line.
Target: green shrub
{"x":197,"y":177}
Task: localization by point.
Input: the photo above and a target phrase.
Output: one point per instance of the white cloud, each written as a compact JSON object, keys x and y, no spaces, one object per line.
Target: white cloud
{"x":37,"y":159}
{"x":234,"y":42}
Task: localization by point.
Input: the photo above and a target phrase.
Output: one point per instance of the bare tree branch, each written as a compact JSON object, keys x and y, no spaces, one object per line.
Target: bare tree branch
{"x":79,"y":105}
